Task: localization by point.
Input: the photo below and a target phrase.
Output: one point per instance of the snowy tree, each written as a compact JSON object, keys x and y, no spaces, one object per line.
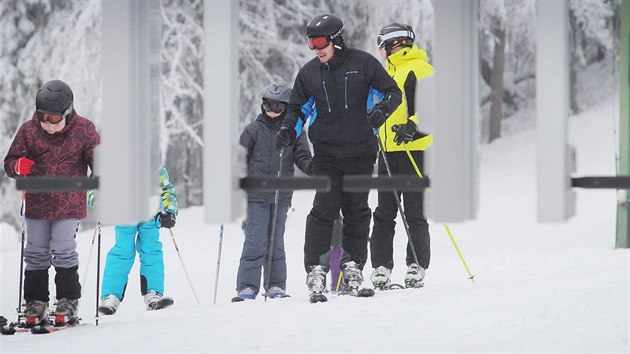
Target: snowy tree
{"x":181,"y":90}
{"x":42,"y":40}
{"x":507,"y":58}
{"x":494,"y":24}
{"x":592,"y":37}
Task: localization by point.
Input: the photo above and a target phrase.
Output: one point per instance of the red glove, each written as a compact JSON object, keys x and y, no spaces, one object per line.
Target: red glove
{"x":23,"y":166}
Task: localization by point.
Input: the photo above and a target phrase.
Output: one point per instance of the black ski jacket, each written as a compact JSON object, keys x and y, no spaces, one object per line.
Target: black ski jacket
{"x":339,"y":90}
{"x":263,"y":156}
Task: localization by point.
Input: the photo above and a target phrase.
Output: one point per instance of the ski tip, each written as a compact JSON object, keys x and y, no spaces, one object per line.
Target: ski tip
{"x":315,"y":298}
{"x":366,"y":292}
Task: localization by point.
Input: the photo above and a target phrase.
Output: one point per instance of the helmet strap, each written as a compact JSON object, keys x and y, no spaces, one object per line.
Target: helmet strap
{"x":68,"y":111}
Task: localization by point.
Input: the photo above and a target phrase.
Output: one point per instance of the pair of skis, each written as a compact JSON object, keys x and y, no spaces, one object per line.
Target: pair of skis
{"x":44,"y":327}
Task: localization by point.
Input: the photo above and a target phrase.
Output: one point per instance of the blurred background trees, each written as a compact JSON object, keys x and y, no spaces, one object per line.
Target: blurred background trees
{"x":45,"y":39}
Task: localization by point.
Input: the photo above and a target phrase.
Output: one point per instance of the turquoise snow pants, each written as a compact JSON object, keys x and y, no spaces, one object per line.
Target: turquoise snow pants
{"x":144,"y":237}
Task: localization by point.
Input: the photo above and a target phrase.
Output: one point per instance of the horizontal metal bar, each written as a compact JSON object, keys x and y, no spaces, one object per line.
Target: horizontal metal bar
{"x":319,"y":183}
{"x":356,"y":183}
{"x":617,"y":182}
{"x":56,"y":184}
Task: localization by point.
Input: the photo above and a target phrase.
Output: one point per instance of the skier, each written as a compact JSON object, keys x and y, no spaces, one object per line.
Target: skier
{"x":258,"y":138}
{"x":338,"y":81}
{"x":57,"y":141}
{"x":406,"y":63}
{"x":144,"y":238}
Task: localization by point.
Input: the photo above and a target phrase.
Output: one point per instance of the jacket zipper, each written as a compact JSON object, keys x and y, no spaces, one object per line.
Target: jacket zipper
{"x":345,"y":92}
{"x":326,"y":92}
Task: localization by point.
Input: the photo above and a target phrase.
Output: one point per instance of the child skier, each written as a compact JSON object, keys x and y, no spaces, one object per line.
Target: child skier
{"x":145,"y":238}
{"x":57,"y":141}
{"x":258,"y":138}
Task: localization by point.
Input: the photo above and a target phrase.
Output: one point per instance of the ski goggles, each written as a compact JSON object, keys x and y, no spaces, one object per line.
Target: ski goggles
{"x":274,"y":106}
{"x":52,"y":118}
{"x":318,"y":42}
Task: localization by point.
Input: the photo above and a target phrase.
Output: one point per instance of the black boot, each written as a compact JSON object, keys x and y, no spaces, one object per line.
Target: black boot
{"x":36,"y":285}
{"x":67,"y":281}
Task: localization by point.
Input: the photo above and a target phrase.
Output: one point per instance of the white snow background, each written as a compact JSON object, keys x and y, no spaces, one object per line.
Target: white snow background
{"x":539,"y":287}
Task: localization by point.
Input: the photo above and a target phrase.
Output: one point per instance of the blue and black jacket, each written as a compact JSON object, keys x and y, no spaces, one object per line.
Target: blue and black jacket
{"x":339,"y":90}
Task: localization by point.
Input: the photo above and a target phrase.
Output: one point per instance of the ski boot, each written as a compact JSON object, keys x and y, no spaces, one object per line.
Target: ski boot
{"x":155,"y":301}
{"x":36,"y":313}
{"x":109,"y":305}
{"x":316,"y":283}
{"x":66,"y":311}
{"x":245,"y":294}
{"x":414,"y":276}
{"x":277,"y":292}
{"x":381,"y":277}
{"x":352,"y":277}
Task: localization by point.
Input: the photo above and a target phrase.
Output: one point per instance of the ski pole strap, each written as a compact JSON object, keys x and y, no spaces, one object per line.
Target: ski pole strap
{"x":470,"y":276}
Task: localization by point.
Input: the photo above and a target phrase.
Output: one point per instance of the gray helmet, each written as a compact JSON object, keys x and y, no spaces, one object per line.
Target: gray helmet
{"x":395,"y":34}
{"x":54,"y":97}
{"x":278,"y":91}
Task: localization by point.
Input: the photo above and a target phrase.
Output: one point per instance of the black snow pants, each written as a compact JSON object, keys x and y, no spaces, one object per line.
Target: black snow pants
{"x":354,"y":208}
{"x":381,"y":242}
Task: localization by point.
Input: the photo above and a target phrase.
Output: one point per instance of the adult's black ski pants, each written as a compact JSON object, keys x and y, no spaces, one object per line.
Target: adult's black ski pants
{"x":354,"y":208}
{"x":381,"y":242}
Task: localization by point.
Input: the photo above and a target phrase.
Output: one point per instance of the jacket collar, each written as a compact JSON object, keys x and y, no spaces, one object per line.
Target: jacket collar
{"x":406,"y":54}
{"x":337,"y":59}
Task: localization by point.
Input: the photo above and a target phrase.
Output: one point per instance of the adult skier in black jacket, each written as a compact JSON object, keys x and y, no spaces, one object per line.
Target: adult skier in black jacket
{"x":338,"y":82}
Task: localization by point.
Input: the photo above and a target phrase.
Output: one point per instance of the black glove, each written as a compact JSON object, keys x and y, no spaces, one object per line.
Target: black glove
{"x":285,"y":137}
{"x":167,"y":220}
{"x":3,"y":321}
{"x":406,"y":133}
{"x":376,"y":117}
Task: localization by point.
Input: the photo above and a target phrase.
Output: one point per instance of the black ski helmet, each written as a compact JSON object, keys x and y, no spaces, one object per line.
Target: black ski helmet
{"x":326,"y":25}
{"x":277,"y":91}
{"x":395,"y":34}
{"x":54,"y":97}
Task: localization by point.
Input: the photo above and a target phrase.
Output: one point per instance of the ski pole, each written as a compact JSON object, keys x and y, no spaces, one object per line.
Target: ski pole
{"x":339,"y":281}
{"x":23,"y":212}
{"x":183,"y":266}
{"x":415,"y":166}
{"x":98,"y":267}
{"x":272,"y":237}
{"x":216,"y":281}
{"x":87,"y":266}
{"x":470,"y":276}
{"x":400,"y":209}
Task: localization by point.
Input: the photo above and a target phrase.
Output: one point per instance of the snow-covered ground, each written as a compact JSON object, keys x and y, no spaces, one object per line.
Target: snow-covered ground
{"x":539,"y":288}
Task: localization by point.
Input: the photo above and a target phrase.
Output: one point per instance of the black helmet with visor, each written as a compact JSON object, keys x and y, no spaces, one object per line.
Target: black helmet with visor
{"x":53,"y":102}
{"x":322,"y":29}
